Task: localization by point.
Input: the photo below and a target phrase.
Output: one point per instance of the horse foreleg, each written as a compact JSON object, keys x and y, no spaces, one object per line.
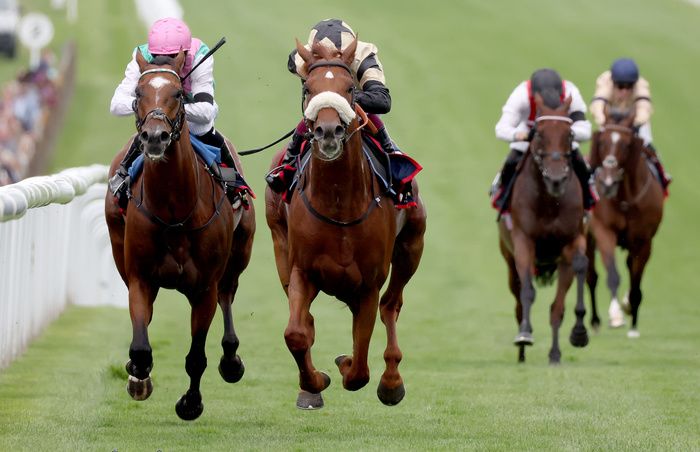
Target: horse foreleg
{"x":354,"y":369}
{"x":524,"y":255}
{"x":636,"y":262}
{"x":231,"y":366}
{"x":299,"y":336}
{"x":556,"y":310}
{"x":579,"y":335}
{"x":141,"y":297}
{"x":606,"y":243}
{"x":190,"y":406}
{"x":592,"y":281}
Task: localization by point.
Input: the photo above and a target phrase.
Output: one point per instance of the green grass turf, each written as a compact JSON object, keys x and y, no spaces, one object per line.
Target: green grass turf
{"x":450,"y":67}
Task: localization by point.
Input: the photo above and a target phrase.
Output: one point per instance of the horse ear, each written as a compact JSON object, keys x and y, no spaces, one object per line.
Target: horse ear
{"x":539,"y":101}
{"x":606,"y":111}
{"x":349,"y":53}
{"x":628,"y":120}
{"x":303,"y":52}
{"x":566,"y":104}
{"x":141,"y":61}
{"x":594,"y":158}
{"x":179,"y":61}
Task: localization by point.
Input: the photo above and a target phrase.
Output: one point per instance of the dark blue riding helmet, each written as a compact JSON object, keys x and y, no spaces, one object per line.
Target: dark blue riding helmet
{"x":624,"y":70}
{"x":547,"y":82}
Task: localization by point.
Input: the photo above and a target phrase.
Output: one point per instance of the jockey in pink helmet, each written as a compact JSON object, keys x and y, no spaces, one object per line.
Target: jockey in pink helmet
{"x":165,"y":39}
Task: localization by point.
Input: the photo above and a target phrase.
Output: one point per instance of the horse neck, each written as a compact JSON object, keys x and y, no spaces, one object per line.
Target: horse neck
{"x":636,"y":173}
{"x":171,"y":184}
{"x":345,"y":181}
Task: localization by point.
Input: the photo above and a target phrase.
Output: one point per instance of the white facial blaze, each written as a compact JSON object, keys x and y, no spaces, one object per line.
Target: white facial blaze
{"x":330,"y":99}
{"x":615,"y":137}
{"x":329,"y":74}
{"x":158,"y":82}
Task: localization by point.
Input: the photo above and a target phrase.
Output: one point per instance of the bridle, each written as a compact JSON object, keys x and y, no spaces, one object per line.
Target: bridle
{"x":158,"y":114}
{"x":353,"y":94}
{"x":175,"y":132}
{"x":555,"y":155}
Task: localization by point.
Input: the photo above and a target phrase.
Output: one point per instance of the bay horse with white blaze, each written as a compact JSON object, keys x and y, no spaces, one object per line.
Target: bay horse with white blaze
{"x":178,"y":232}
{"x":628,"y":214}
{"x":547,"y":228}
{"x":341,"y":234}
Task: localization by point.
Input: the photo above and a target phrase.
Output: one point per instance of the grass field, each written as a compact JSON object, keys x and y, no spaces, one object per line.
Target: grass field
{"x":450,"y":67}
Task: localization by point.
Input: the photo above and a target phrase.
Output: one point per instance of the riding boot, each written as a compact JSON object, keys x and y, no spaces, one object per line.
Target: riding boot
{"x":501,"y":187}
{"x":229,"y":173}
{"x":583,"y":173}
{"x":280,"y":177}
{"x":385,"y":141}
{"x":664,"y":177}
{"x":119,"y":183}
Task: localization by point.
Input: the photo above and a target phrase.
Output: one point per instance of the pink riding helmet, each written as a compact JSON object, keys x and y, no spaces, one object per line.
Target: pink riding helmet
{"x":168,"y":36}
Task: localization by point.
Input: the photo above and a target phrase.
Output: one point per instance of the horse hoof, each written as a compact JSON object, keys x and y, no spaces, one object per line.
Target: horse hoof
{"x":231,"y":370}
{"x":615,"y":315}
{"x":633,"y":334}
{"x":139,"y":389}
{"x":391,"y":397}
{"x":579,"y":337}
{"x":339,"y":360}
{"x":523,"y":338}
{"x":555,"y":360}
{"x":189,"y":408}
{"x":625,"y":305}
{"x":309,"y":401}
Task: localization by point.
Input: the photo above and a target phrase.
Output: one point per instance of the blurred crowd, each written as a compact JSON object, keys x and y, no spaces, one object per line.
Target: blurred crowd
{"x":24,"y":109}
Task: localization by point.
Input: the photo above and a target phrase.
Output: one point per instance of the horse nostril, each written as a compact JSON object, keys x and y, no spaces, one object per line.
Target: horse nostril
{"x":339,"y":131}
{"x":164,"y":136}
{"x":144,"y":136}
{"x":318,"y":133}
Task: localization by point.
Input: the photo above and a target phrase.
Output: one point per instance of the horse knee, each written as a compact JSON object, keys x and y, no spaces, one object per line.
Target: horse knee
{"x":579,"y":263}
{"x":297,"y":341}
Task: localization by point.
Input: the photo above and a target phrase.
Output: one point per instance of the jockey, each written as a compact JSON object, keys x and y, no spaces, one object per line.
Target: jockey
{"x":167,"y":37}
{"x":372,"y":95}
{"x":621,"y":88}
{"x":517,"y":124}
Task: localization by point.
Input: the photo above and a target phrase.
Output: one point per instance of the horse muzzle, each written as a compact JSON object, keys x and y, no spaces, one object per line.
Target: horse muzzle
{"x":329,"y":136}
{"x":154,"y":142}
{"x":556,"y":182}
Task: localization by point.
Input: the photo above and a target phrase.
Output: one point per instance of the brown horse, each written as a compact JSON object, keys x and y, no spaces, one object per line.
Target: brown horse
{"x":340,"y":234}
{"x":547,"y":229}
{"x":627,"y":215}
{"x":178,"y":232}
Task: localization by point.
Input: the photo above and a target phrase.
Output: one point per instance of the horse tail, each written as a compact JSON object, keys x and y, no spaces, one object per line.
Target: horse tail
{"x":544,"y":273}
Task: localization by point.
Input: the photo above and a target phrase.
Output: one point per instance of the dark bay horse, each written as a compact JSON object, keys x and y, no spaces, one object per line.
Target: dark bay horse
{"x":340,"y":234}
{"x":547,"y":229}
{"x":179,"y":232}
{"x":628,"y":214}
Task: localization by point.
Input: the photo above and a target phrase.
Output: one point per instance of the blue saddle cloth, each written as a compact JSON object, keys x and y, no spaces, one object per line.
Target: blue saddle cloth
{"x":207,"y":152}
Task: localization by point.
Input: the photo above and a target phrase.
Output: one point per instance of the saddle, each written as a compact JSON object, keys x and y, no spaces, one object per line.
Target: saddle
{"x":230,"y":178}
{"x":394,"y":171}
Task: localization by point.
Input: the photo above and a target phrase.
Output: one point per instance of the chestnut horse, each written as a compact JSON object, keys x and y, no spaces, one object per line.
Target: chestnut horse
{"x":340,"y":234}
{"x":547,"y":228}
{"x":178,"y":232}
{"x":628,"y":214}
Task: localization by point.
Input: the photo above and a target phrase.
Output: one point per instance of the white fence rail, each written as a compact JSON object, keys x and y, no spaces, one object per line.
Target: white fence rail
{"x":54,"y":250}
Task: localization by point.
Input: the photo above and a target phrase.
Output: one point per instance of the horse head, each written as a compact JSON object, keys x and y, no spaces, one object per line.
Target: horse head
{"x":551,"y":145}
{"x":159,"y":105}
{"x":610,"y":150}
{"x":328,"y":96}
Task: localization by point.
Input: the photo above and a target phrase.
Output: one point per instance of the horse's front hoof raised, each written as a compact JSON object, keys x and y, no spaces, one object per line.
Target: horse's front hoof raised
{"x":579,"y":336}
{"x":139,"y":389}
{"x":309,"y":401}
{"x":231,"y":370}
{"x":391,"y":397}
{"x":190,"y":406}
{"x":523,"y":338}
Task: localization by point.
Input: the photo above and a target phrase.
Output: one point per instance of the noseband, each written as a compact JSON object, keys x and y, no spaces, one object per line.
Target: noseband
{"x":158,"y":114}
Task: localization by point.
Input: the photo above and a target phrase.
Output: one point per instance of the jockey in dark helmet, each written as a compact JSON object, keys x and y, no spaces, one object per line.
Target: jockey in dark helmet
{"x":372,"y":94}
{"x":517,"y":123}
{"x":621,"y":88}
{"x":166,"y":38}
